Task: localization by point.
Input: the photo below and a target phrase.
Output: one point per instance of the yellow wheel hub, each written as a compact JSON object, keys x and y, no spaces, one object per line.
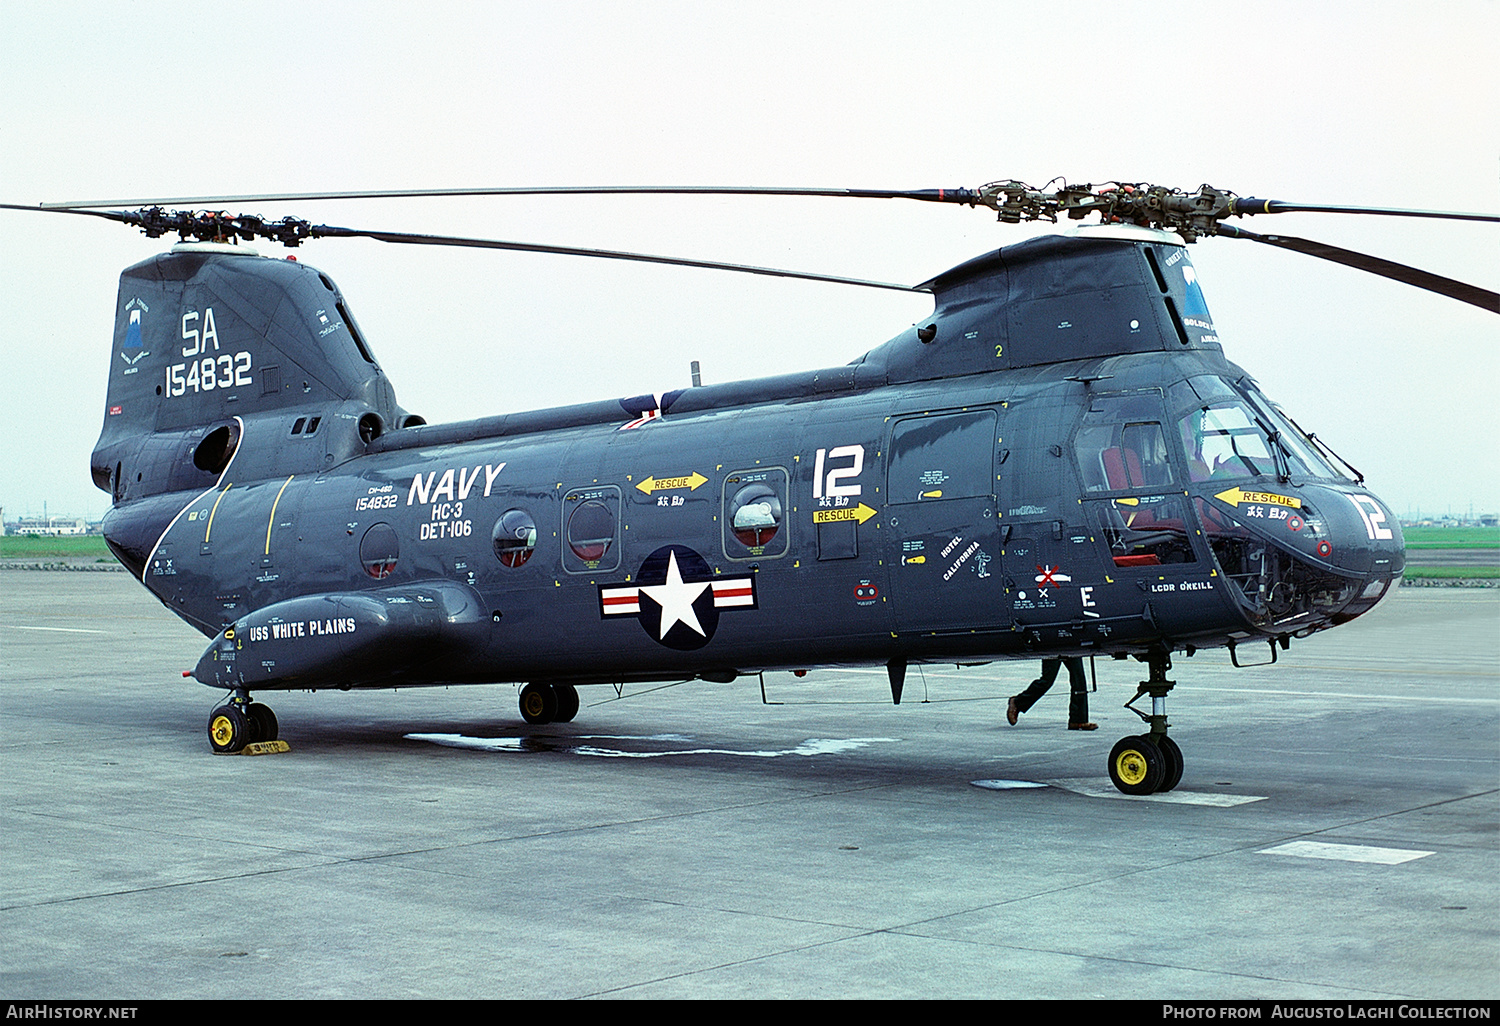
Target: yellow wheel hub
{"x":222,"y":730}
{"x":1130,"y":765}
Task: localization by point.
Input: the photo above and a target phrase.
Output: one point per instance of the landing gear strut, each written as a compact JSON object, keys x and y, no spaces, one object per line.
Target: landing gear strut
{"x":1151,"y":762}
{"x":549,"y":703}
{"x":240,"y":722}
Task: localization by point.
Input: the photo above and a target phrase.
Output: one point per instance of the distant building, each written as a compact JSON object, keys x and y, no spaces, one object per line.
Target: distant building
{"x":50,"y":526}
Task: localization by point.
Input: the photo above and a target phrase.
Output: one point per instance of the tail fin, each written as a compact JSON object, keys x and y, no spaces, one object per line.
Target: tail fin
{"x":221,"y":353}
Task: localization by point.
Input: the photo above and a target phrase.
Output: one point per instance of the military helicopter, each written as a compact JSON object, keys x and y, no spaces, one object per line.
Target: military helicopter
{"x":1059,"y":461}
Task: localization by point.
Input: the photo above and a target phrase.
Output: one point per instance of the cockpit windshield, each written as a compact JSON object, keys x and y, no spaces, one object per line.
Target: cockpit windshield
{"x":1299,"y":448}
{"x":1223,"y":441}
{"x":1227,"y":437}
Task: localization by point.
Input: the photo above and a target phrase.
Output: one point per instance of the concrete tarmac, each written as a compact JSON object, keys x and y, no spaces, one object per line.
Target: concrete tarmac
{"x":1336,"y":835}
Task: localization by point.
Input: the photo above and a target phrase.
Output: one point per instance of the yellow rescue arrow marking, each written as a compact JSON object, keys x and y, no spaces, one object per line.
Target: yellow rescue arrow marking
{"x":859,"y":513}
{"x":665,"y":484}
{"x":1236,"y":497}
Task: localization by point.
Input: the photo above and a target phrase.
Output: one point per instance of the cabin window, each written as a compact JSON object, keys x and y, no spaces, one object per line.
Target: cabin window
{"x":755,"y":503}
{"x":591,"y":530}
{"x":591,"y":527}
{"x":378,"y":551}
{"x":514,"y":537}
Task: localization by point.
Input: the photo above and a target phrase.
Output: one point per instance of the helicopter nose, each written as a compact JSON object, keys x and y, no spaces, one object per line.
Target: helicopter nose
{"x":1360,"y":539}
{"x":1304,"y":557}
{"x":1360,"y":536}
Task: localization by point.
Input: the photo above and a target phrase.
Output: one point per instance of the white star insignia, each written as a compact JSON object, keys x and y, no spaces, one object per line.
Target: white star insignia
{"x":676,"y":599}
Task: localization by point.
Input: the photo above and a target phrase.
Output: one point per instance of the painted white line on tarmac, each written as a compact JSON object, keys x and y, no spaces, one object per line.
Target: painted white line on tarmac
{"x":1006,"y":785}
{"x":69,"y":630}
{"x":1346,"y":852}
{"x":1094,"y":788}
{"x":544,"y":743}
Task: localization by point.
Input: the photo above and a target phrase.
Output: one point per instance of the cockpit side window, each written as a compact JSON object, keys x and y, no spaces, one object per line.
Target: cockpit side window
{"x":1118,"y":456}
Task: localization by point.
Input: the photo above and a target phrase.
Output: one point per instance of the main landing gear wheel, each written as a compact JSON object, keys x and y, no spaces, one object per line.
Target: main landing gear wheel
{"x":264,"y":722}
{"x":229,"y":728}
{"x":1136,"y":765}
{"x":567,"y":703}
{"x":538,"y":703}
{"x":240,"y":722}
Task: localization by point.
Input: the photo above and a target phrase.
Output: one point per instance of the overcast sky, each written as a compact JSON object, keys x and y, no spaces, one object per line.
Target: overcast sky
{"x":1360,"y":103}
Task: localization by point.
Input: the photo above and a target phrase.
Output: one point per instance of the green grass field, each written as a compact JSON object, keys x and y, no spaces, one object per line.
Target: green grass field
{"x":30,"y":546}
{"x":1452,"y":537}
{"x":1454,"y":573}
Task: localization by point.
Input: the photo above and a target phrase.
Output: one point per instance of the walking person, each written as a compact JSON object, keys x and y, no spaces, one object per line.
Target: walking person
{"x":1078,"y":701}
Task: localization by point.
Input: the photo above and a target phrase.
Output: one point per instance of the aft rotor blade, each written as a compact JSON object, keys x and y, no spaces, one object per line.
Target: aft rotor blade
{"x":967,"y":196}
{"x":1249,"y":205}
{"x":327,"y":231}
{"x":1473,"y":294}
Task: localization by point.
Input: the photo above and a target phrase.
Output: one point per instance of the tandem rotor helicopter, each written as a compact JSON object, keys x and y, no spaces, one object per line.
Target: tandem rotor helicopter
{"x":1058,"y":461}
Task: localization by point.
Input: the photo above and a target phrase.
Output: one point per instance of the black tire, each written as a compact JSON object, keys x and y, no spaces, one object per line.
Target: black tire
{"x":1136,"y":765}
{"x":567,"y":703}
{"x":1171,"y":773}
{"x":264,"y":720}
{"x":538,"y":703}
{"x":229,"y":729}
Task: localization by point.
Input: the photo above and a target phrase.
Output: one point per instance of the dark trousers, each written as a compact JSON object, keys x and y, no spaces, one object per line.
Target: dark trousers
{"x":1078,"y":702}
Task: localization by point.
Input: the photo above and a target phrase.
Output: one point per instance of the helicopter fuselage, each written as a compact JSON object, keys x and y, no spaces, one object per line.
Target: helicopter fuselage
{"x":1059,"y":462}
{"x":1003,"y":514}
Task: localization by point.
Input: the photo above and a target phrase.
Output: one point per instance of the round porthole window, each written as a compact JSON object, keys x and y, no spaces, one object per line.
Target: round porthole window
{"x":378,"y":551}
{"x":755,"y":514}
{"x":591,"y":530}
{"x":514,"y":537}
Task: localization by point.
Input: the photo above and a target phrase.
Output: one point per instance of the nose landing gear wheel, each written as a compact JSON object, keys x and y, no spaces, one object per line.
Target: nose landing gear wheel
{"x":1172,"y":759}
{"x":1136,"y":765}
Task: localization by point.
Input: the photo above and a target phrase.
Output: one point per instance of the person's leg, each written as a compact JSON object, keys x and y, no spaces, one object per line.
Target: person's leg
{"x":1078,"y":699}
{"x":1026,"y":699}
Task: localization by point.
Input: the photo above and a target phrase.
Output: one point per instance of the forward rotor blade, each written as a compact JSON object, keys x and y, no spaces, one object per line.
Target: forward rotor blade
{"x":1250,"y":205}
{"x":1473,"y":294}
{"x":930,"y":195}
{"x":108,"y":215}
{"x":327,"y":231}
